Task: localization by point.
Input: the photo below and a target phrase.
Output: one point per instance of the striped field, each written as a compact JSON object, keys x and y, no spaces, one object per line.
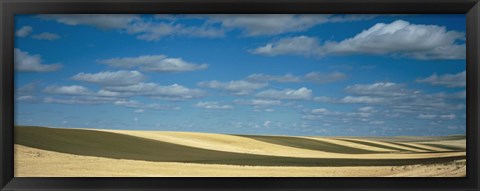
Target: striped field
{"x":42,"y":151}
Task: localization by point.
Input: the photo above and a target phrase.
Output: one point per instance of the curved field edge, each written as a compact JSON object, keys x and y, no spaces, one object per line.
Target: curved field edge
{"x":31,"y":162}
{"x":304,"y":143}
{"x":117,"y":146}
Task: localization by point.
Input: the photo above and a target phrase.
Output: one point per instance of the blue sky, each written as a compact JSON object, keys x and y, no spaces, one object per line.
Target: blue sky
{"x":328,"y":75}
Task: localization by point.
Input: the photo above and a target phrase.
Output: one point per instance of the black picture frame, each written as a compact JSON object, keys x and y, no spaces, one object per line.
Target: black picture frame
{"x":9,"y":8}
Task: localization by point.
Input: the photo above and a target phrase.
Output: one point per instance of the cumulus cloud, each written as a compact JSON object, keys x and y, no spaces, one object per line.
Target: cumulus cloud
{"x":399,"y":38}
{"x":81,"y":91}
{"x":150,"y":31}
{"x":239,"y":87}
{"x":213,"y":105}
{"x":362,"y":99}
{"x":25,"y":62}
{"x":27,"y":88}
{"x":363,"y":115}
{"x":265,"y":77}
{"x":24,"y":31}
{"x":46,"y":36}
{"x":67,"y":90}
{"x":145,"y":29}
{"x":300,"y":45}
{"x":109,"y":78}
{"x":26,"y":99}
{"x":366,"y":109}
{"x":323,"y":99}
{"x":448,"y":116}
{"x":76,"y":95}
{"x":211,"y":26}
{"x":86,"y":100}
{"x":102,"y":21}
{"x":389,"y":99}
{"x":378,"y":89}
{"x":302,"y":93}
{"x":320,"y":111}
{"x":318,"y":77}
{"x":258,"y":102}
{"x":141,"y":107}
{"x":170,"y":92}
{"x":449,"y":80}
{"x":154,"y":63}
{"x":427,"y":116}
{"x":274,"y":24}
{"x":267,"y":123}
{"x":315,"y":77}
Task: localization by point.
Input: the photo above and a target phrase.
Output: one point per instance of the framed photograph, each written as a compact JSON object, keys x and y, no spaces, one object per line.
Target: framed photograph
{"x":225,"y":95}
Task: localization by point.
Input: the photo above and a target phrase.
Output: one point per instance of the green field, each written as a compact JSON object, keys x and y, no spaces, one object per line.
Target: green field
{"x":118,"y":146}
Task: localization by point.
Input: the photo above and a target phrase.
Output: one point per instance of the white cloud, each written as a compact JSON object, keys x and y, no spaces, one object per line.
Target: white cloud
{"x":315,"y":77}
{"x":320,"y":111}
{"x":318,"y":77}
{"x":366,"y":109}
{"x":267,"y":123}
{"x":150,"y":31}
{"x":67,"y":90}
{"x":274,"y":24}
{"x":427,"y":116}
{"x":449,"y":80}
{"x":127,"y":103}
{"x":109,"y":78}
{"x":25,"y":62}
{"x":26,"y":98}
{"x":139,"y":111}
{"x":77,"y":100}
{"x":102,"y":21}
{"x":255,"y":25}
{"x":377,"y":122}
{"x":27,"y":88}
{"x":171,"y":92}
{"x":403,"y":38}
{"x":213,"y":105}
{"x":448,"y":116}
{"x":302,"y":93}
{"x":239,"y":87}
{"x":154,"y":63}
{"x":323,"y":99}
{"x":399,"y":38}
{"x":46,"y":36}
{"x":24,"y":31}
{"x":362,"y":99}
{"x":258,"y":102}
{"x":145,"y":29}
{"x":378,"y":89}
{"x":300,"y":45}
{"x":141,"y":107}
{"x":266,"y":77}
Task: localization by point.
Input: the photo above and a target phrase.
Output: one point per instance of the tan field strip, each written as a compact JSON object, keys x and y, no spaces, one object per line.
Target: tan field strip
{"x":350,"y":144}
{"x":236,"y":144}
{"x":386,"y":144}
{"x":456,"y":143}
{"x":426,"y":147}
{"x":31,"y":162}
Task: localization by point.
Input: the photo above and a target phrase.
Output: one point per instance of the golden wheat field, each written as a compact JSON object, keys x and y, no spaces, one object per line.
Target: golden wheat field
{"x":57,"y":152}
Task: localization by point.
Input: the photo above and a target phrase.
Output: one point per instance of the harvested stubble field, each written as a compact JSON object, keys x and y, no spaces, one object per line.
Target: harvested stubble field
{"x":57,"y":152}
